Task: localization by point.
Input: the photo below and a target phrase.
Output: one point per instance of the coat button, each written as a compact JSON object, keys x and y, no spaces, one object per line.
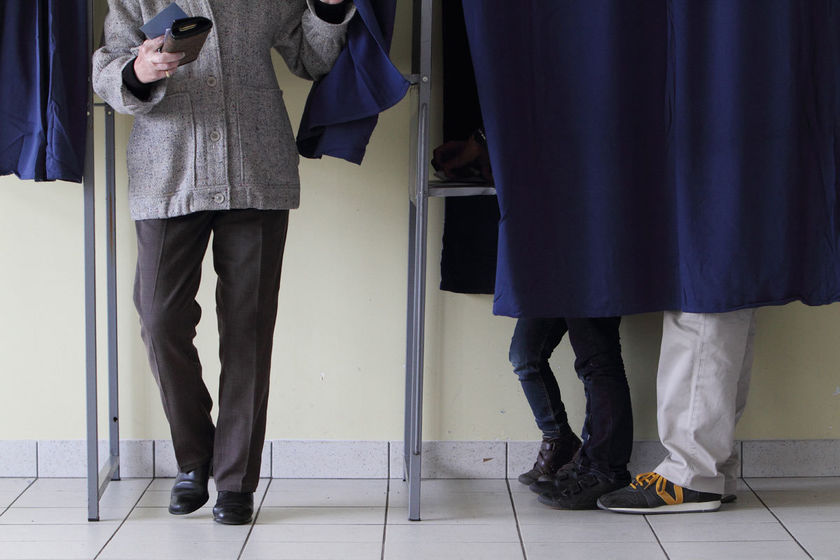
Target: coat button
{"x":215,"y":136}
{"x":219,"y":198}
{"x":212,"y":81}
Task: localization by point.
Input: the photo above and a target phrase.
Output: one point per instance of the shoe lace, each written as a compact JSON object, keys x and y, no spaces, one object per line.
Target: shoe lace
{"x":644,"y":480}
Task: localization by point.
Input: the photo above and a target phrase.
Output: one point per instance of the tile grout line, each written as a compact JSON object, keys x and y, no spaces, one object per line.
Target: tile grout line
{"x":516,"y":520}
{"x":28,"y":486}
{"x":387,"y":499}
{"x":652,"y":530}
{"x":120,"y":526}
{"x":776,"y":517}
{"x":254,"y":521}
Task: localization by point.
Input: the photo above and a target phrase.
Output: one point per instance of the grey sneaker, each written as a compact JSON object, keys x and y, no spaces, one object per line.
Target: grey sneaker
{"x":653,"y":493}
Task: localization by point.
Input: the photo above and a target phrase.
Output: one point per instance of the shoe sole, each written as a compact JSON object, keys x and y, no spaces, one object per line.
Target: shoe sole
{"x":228,"y":522}
{"x":692,"y":507}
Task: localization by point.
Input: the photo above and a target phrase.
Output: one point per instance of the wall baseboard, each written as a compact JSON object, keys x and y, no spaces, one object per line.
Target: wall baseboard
{"x":384,"y":459}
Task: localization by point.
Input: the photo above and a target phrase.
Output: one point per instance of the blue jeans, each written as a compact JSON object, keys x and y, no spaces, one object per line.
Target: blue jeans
{"x":608,"y":424}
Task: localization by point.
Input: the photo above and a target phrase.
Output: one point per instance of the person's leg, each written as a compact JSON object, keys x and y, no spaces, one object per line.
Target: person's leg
{"x":532,"y":344}
{"x":731,"y":467}
{"x":601,"y":464}
{"x":703,"y":360}
{"x":169,"y":255}
{"x":608,"y":425}
{"x":247,"y":254}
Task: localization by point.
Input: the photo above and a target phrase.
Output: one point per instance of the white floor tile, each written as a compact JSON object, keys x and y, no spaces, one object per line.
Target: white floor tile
{"x":463,"y":533}
{"x":15,"y":485}
{"x":485,"y":513}
{"x":98,"y":532}
{"x":762,"y":550}
{"x":821,"y":540}
{"x":442,"y":487}
{"x":52,"y":550}
{"x":326,"y":493}
{"x":634,"y":530}
{"x":59,"y":516}
{"x":312,"y":551}
{"x":7,"y":499}
{"x":800,"y":500}
{"x":205,"y":531}
{"x":63,"y":492}
{"x":322,"y":516}
{"x":452,"y":551}
{"x":292,"y":533}
{"x":601,"y":551}
{"x":687,"y":531}
{"x":184,"y":549}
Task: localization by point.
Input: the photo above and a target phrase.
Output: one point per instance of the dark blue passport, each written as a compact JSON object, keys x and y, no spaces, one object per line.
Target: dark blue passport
{"x":158,"y":25}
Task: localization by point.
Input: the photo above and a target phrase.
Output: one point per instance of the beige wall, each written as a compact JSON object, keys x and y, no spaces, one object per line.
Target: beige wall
{"x":339,"y":347}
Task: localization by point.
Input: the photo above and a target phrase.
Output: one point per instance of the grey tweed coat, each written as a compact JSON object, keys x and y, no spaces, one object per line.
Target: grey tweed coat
{"x":216,"y":135}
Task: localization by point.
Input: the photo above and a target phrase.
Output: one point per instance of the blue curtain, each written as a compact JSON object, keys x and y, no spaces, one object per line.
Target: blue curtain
{"x":343,"y":107}
{"x":661,"y":154}
{"x":43,"y":88}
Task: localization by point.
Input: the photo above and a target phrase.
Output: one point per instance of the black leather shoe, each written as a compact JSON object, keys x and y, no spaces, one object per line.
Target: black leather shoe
{"x":189,"y":491}
{"x":234,"y":508}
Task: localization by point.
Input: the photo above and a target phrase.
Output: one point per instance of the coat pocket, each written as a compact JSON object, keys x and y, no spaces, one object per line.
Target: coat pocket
{"x":269,"y":153}
{"x":161,"y":149}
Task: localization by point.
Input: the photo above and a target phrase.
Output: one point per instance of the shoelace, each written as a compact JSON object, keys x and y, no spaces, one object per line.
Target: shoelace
{"x":645,"y":479}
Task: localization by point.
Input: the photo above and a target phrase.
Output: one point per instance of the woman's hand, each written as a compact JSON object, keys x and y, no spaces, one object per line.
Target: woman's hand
{"x":151,"y":65}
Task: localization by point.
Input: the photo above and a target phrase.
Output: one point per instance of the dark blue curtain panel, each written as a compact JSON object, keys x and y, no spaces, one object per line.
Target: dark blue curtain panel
{"x":43,"y":88}
{"x":343,"y":108}
{"x":661,"y":154}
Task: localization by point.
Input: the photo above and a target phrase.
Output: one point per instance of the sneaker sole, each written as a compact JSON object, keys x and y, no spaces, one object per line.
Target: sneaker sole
{"x":692,"y":507}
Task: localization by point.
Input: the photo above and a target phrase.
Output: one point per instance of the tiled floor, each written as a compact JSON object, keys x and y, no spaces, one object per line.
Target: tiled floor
{"x":785,"y":518}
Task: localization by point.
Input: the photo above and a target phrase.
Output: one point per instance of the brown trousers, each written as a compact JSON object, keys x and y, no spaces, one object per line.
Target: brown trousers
{"x":247,"y":256}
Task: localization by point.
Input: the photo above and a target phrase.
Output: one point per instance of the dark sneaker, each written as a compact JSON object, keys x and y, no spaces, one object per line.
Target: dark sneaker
{"x":553,"y":454}
{"x":579,"y":489}
{"x":555,"y":483}
{"x":653,"y":493}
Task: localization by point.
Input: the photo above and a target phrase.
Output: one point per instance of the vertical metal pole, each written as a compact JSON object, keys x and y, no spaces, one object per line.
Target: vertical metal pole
{"x":421,"y":65}
{"x":111,"y":263}
{"x":89,"y":195}
{"x":409,"y":344}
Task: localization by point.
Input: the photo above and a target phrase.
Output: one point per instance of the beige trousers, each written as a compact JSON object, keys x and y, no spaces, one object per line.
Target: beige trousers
{"x":702,"y":383}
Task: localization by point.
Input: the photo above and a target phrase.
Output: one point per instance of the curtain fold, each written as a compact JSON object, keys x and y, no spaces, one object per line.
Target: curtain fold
{"x":43,"y":89}
{"x":659,"y":154}
{"x":343,"y":108}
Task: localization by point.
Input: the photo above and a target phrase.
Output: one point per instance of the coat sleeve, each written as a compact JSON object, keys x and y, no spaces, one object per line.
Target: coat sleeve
{"x":308,"y":44}
{"x":120,"y":43}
